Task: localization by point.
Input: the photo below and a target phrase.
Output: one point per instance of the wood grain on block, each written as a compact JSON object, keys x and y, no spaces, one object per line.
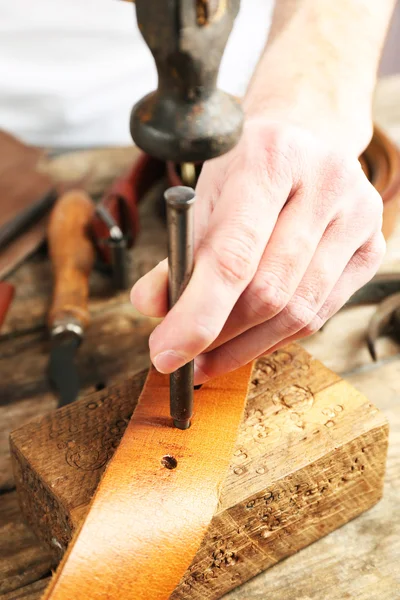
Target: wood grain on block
{"x":310,"y":456}
{"x":33,"y":591}
{"x":23,"y":559}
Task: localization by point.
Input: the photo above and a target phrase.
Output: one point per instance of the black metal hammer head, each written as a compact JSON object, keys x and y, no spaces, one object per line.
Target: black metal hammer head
{"x":187,"y":119}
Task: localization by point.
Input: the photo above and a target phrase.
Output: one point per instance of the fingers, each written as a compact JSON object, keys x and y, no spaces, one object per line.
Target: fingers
{"x":268,"y":336}
{"x":284,"y":263}
{"x":312,"y":243}
{"x":150,"y":294}
{"x":226,"y":262}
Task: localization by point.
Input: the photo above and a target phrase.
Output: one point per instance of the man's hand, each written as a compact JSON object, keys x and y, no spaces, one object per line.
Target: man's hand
{"x":286,"y":230}
{"x":287,"y":225}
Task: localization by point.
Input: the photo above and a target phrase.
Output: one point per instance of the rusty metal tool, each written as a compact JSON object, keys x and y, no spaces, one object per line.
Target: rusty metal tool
{"x":180,"y":226}
{"x":118,"y":245}
{"x":72,"y":254}
{"x":187,"y":119}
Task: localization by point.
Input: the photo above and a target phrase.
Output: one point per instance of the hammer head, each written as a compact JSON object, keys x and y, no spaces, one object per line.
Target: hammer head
{"x":187,"y":119}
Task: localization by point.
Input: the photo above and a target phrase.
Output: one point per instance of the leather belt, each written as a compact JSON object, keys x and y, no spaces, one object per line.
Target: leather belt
{"x":157,"y":496}
{"x":381,"y":164}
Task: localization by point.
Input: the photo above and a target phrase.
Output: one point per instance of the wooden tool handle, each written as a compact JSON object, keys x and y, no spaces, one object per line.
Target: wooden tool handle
{"x":72,"y":254}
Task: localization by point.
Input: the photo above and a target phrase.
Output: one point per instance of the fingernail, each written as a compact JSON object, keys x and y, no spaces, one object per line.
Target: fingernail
{"x":168,"y":361}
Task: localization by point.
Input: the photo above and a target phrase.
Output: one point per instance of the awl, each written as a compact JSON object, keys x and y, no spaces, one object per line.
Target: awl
{"x":180,"y":228}
{"x":72,"y":254}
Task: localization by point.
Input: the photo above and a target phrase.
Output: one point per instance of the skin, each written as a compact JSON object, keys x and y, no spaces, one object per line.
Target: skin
{"x":287,"y":225}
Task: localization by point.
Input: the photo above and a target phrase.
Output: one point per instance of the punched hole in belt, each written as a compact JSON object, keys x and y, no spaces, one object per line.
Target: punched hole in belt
{"x":169,"y":462}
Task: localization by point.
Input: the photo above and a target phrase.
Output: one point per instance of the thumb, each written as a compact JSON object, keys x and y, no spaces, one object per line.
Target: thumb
{"x":150,"y":294}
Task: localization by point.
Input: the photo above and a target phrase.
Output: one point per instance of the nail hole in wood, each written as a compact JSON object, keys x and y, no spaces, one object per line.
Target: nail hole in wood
{"x":169,"y":462}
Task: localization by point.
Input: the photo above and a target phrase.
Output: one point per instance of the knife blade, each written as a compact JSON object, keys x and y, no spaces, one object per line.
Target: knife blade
{"x":72,"y":255}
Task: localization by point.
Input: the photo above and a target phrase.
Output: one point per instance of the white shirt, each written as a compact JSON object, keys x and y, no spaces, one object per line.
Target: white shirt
{"x":71,"y":70}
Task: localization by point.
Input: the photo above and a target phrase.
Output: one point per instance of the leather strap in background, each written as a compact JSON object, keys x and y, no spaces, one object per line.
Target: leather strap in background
{"x":20,"y":186}
{"x":122,"y":199}
{"x":157,"y":496}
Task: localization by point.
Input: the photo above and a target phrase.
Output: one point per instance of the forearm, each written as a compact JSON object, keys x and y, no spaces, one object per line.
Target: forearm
{"x":319,"y":66}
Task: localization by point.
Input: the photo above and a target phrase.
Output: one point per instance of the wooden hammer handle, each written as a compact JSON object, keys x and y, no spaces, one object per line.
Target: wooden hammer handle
{"x":72,"y":254}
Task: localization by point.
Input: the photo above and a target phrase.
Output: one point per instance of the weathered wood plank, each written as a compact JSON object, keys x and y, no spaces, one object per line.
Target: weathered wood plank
{"x":33,"y":591}
{"x":310,"y":456}
{"x":23,"y":559}
{"x":24,"y":390}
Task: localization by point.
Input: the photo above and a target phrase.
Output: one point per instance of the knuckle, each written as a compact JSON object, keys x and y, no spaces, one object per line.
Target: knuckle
{"x":336,"y":174}
{"x":266,"y":298}
{"x":312,"y":293}
{"x":203,"y":334}
{"x":296,"y":316}
{"x":315,"y":325}
{"x":338,"y":180}
{"x":236,"y":260}
{"x":370,"y":255}
{"x":272,"y":155}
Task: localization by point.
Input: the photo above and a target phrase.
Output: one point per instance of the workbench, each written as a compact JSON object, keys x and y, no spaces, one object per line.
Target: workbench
{"x":360,"y":560}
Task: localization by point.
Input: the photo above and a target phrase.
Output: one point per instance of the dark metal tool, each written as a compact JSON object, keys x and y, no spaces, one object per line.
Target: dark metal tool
{"x":385,"y":321}
{"x":383,"y":289}
{"x":380,"y":287}
{"x":27,"y":218}
{"x":187,"y":119}
{"x":180,"y":225}
{"x":72,"y":254}
{"x":118,"y":245}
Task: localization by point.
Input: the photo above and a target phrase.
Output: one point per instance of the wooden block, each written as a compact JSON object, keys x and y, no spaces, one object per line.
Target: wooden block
{"x":23,"y":559}
{"x":310,"y":456}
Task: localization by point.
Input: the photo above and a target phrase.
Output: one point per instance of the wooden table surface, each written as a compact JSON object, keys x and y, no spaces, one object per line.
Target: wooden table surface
{"x":361,"y":560}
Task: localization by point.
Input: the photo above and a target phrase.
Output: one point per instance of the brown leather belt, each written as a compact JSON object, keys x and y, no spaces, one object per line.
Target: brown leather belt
{"x":381,"y":163}
{"x":157,"y":496}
